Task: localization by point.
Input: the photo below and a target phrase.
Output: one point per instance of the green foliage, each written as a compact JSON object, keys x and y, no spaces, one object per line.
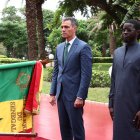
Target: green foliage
{"x":10,"y":14}
{"x":102,"y":59}
{"x":133,"y":12}
{"x":99,"y":34}
{"x":46,"y":87}
{"x":48,"y":74}
{"x":116,"y":9}
{"x":3,"y":50}
{"x":48,"y":16}
{"x":13,"y":33}
{"x":98,"y":94}
{"x":14,"y":38}
{"x":81,"y":32}
{"x":3,"y":56}
{"x":10,"y":60}
{"x":100,"y":79}
{"x":57,"y":18}
{"x":101,"y":66}
{"x":55,"y":38}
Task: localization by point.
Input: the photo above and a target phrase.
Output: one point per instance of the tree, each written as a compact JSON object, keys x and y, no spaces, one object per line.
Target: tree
{"x":13,"y":32}
{"x":10,"y":14}
{"x":33,"y":18}
{"x":116,"y":9}
{"x":31,"y":29}
{"x":14,"y":38}
{"x":41,"y":38}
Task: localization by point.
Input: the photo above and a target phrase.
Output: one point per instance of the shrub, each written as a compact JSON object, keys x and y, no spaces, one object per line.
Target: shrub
{"x":101,"y":66}
{"x":48,"y":74}
{"x":102,"y":59}
{"x":10,"y":60}
{"x":99,"y":78}
{"x":3,"y":56}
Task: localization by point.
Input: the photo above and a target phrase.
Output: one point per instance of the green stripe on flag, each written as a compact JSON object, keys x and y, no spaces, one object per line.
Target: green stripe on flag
{"x":17,"y":65}
{"x":15,"y":80}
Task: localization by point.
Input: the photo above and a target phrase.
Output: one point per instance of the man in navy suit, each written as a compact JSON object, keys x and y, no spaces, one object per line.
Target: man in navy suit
{"x":71,"y":80}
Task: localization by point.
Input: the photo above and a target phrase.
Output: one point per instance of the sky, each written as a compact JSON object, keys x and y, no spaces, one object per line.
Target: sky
{"x":49,"y":4}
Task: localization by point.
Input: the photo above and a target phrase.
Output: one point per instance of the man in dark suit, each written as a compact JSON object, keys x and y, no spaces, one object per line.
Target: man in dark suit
{"x":70,"y":81}
{"x":124,"y":97}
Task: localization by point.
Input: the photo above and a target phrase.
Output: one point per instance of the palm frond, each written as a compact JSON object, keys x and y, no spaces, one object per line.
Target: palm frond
{"x":131,"y":12}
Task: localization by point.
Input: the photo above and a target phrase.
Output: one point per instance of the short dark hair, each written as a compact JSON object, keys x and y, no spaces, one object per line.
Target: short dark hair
{"x":72,"y":19}
{"x":135,"y":22}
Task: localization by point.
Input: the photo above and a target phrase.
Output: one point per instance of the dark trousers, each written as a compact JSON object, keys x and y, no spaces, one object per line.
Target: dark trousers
{"x":70,"y":119}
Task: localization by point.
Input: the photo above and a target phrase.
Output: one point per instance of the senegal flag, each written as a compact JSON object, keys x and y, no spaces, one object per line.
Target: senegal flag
{"x":15,"y":80}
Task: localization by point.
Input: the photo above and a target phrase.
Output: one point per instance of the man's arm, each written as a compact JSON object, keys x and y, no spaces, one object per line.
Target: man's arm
{"x":54,"y":77}
{"x":52,"y":99}
{"x":112,"y":92}
{"x":86,"y":73}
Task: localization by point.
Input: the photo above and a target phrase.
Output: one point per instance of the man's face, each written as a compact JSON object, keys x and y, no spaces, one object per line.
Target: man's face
{"x":68,"y":30}
{"x":129,"y":33}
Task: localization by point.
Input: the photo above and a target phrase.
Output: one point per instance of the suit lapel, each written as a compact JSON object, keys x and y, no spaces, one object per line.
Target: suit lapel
{"x":71,"y":52}
{"x":61,"y":53}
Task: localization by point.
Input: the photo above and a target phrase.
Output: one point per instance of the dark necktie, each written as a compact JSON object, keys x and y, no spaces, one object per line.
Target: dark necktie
{"x":65,"y":52}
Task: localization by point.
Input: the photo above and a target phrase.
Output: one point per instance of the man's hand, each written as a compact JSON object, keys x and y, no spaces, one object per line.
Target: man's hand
{"x":111,"y":113}
{"x":79,"y":103}
{"x":137,"y":120}
{"x":52,"y":100}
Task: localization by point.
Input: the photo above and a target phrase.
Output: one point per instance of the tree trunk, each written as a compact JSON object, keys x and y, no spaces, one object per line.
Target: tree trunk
{"x":112,"y":40}
{"x":104,"y":49}
{"x":41,"y":39}
{"x":31,"y":29}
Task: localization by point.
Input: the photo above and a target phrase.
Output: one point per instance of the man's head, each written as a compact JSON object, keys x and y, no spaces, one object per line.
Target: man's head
{"x":130,"y":31}
{"x":69,"y":26}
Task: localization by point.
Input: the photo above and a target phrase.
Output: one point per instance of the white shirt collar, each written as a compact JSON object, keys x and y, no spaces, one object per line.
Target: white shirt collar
{"x":71,"y":41}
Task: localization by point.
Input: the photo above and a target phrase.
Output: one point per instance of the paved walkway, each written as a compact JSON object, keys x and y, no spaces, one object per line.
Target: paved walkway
{"x":98,"y":124}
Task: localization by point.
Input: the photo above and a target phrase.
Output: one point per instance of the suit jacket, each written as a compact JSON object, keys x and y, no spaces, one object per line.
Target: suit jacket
{"x":75,"y":75}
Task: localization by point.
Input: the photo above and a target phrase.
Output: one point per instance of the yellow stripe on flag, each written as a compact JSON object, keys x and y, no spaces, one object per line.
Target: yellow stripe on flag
{"x":12,"y":118}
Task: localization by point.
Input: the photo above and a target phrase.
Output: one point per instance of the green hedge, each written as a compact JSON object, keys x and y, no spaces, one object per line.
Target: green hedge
{"x":101,"y":66}
{"x":10,"y":60}
{"x":3,"y":56}
{"x":99,"y":78}
{"x":102,"y":59}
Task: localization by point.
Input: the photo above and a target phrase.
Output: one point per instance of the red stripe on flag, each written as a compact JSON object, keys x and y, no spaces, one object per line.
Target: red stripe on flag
{"x":32,"y":102}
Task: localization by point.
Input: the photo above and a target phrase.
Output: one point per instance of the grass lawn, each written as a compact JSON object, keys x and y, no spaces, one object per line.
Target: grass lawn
{"x":101,"y":66}
{"x":98,"y":94}
{"x":95,"y":94}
